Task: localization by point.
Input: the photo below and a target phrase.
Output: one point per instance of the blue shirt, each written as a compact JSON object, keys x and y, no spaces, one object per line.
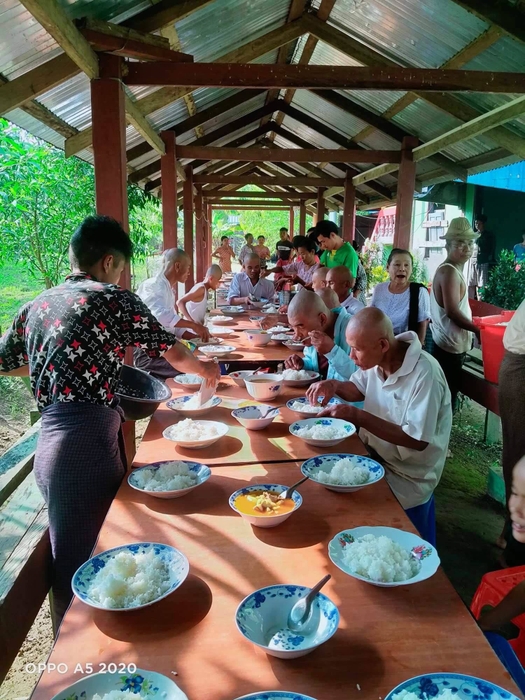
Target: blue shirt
{"x":519,"y":252}
{"x":241,"y":286}
{"x":340,"y":366}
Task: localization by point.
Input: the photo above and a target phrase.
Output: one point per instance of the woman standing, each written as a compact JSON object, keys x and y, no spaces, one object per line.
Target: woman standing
{"x":302,"y":270}
{"x":225,"y":254}
{"x":262,"y":251}
{"x":407,"y":304}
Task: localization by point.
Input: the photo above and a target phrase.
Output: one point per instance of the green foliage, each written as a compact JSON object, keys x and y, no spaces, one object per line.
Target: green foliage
{"x":372,"y":259}
{"x":506,"y":285}
{"x":16,"y":289}
{"x":419,"y":270}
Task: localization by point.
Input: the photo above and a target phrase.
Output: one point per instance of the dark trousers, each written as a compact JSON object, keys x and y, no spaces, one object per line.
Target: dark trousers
{"x":451,"y":364}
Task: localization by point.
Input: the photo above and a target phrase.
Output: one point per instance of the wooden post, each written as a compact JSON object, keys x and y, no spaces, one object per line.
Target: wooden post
{"x":188,"y":224}
{"x":349,"y":210}
{"x":200,"y":251}
{"x":209,"y":234}
{"x":320,"y":205}
{"x":406,"y":185}
{"x":291,"y":226}
{"x":302,"y":219}
{"x":168,"y":170}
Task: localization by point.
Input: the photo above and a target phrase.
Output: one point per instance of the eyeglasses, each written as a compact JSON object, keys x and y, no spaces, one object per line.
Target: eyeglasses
{"x":462,"y":244}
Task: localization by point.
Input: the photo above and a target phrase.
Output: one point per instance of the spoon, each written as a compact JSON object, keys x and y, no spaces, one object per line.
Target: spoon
{"x":302,"y":615}
{"x":291,"y":489}
{"x":265,"y":410}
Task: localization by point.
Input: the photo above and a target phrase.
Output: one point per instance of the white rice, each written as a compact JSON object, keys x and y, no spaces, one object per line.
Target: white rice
{"x":189,"y":379}
{"x":295,"y":375}
{"x":344,"y":473}
{"x":279,"y":329}
{"x":189,"y":430}
{"x":213,"y":348}
{"x":322,"y":432}
{"x":380,"y":559}
{"x":194,"y":403}
{"x":117,"y":695}
{"x":129,"y":580}
{"x":445,"y":694}
{"x":305,"y":407}
{"x":170,"y":476}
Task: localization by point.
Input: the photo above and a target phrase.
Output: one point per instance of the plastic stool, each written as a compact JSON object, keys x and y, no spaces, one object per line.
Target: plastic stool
{"x":493,"y":588}
{"x":508,"y":658}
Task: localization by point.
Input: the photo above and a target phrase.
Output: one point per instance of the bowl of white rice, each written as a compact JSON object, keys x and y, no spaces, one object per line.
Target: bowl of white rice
{"x":294,"y":345}
{"x":125,"y":685}
{"x":275,"y":695}
{"x":322,"y":432}
{"x":299,"y":377}
{"x":218,"y":320}
{"x":169,"y":479}
{"x":195,"y":434}
{"x":130,"y":577}
{"x":221,"y":331}
{"x":281,"y":337}
{"x":217,"y":350}
{"x":448,"y":686}
{"x":343,"y":472}
{"x":383,"y":556}
{"x":302,"y":406}
{"x":189,"y":381}
{"x":190,"y":406}
{"x":233,"y":310}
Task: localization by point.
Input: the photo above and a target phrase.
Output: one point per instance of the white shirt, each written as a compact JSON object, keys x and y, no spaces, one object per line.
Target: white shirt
{"x":446,"y":334}
{"x":197,"y":309}
{"x":159,"y":297}
{"x":241,"y":286}
{"x":514,"y":338}
{"x":352,"y":305}
{"x":245,"y":250}
{"x":416,"y":398}
{"x":397,"y":306}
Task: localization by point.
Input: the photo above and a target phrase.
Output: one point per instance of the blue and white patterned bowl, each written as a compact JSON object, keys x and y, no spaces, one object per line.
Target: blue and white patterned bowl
{"x":257,"y":338}
{"x":146,"y":684}
{"x":305,"y":402}
{"x":264,"y":387}
{"x":250,"y":416}
{"x":275,"y":695}
{"x":420,"y":549}
{"x":178,"y":565}
{"x":179,"y":405}
{"x":314,"y":465}
{"x":428,"y":686}
{"x":201,"y":471}
{"x":263,"y":613}
{"x":349,"y":429}
{"x":265,"y":520}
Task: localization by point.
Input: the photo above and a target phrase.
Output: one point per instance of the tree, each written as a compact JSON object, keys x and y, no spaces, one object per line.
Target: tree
{"x":506,"y":285}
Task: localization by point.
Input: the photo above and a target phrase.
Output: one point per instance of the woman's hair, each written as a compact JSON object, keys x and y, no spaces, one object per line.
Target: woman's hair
{"x":224,"y":238}
{"x":303,"y":242}
{"x":259,"y":238}
{"x":247,"y":236}
{"x":399,"y":251}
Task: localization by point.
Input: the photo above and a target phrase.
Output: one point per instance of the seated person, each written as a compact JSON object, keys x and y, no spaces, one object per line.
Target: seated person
{"x":327,"y":351}
{"x":319,"y":279}
{"x":159,"y":296}
{"x":406,"y":420}
{"x":329,"y":297}
{"x":249,"y":281}
{"x":302,"y":269}
{"x":193,"y":304}
{"x":340,"y":279}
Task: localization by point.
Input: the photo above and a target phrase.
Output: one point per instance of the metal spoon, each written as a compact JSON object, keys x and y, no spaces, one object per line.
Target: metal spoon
{"x":302,"y":614}
{"x":265,"y":410}
{"x":291,"y":489}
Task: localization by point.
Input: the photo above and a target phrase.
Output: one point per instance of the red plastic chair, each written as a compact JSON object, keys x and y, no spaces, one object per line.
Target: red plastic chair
{"x":493,"y":588}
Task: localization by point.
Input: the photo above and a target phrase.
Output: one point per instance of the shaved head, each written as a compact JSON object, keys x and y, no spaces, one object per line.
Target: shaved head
{"x":341,"y":280}
{"x":214,"y":271}
{"x":252,"y":266}
{"x":173,"y":255}
{"x":308,"y":312}
{"x":319,"y":278}
{"x":329,"y":297}
{"x":176,"y":265}
{"x":370,"y":334}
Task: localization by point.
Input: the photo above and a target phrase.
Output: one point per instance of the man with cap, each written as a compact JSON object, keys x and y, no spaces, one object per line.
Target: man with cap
{"x":452,"y":326}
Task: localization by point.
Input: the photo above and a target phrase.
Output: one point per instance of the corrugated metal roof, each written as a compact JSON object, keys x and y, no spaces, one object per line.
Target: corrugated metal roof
{"x":313,"y":137}
{"x":327,"y":113}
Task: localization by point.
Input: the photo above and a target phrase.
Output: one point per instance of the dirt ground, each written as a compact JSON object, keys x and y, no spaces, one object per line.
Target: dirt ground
{"x":468,"y":523}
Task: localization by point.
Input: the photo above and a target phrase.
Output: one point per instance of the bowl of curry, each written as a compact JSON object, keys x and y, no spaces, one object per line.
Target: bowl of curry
{"x":260,"y":505}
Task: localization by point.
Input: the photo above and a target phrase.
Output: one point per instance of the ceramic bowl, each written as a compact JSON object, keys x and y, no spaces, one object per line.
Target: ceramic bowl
{"x":238,"y":377}
{"x":140,"y":682}
{"x":180,"y":405}
{"x":349,"y":429}
{"x":264,"y":387}
{"x":233,"y":310}
{"x":313,"y":466}
{"x":258,"y":304}
{"x":217,"y":320}
{"x":294,"y":345}
{"x":176,"y":561}
{"x":275,"y":695}
{"x":170,"y":434}
{"x":250,"y":417}
{"x":304,"y":402}
{"x":263,"y":613}
{"x":265,"y":521}
{"x":430,"y":685}
{"x":312,"y":377}
{"x":281,"y":338}
{"x":424,"y":552}
{"x":270,"y":310}
{"x":220,"y":332}
{"x":201,"y":471}
{"x":218,"y":350}
{"x":280,"y":328}
{"x":258,"y":338}
{"x":188,"y":381}
{"x":256,"y":319}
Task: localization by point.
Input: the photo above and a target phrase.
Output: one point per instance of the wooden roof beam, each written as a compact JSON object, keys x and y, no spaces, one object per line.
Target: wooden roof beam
{"x":285,"y":180}
{"x":502,"y":15}
{"x":293,"y":155}
{"x":164,"y":13}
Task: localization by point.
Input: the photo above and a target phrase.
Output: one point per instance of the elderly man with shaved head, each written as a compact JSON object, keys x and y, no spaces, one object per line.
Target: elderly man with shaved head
{"x":341,"y":280}
{"x":406,"y":419}
{"x":323,"y":331}
{"x":249,"y":282}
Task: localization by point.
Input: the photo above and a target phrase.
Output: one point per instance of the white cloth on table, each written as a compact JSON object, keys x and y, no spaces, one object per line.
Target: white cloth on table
{"x":416,"y":397}
{"x":197,"y":309}
{"x":397,"y":306}
{"x":514,"y":338}
{"x":241,"y":286}
{"x":446,"y":334}
{"x":157,"y":294}
{"x":352,"y":305}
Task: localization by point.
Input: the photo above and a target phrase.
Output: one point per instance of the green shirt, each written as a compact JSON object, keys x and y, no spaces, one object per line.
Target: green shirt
{"x":346,"y":256}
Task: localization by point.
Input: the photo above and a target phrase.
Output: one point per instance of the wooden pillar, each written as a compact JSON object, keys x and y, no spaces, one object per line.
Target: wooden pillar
{"x":320,"y":205}
{"x":291,"y":226}
{"x":209,"y":233}
{"x":302,"y":218}
{"x":406,"y":185}
{"x":200,"y":249}
{"x":168,"y":173}
{"x":349,"y":210}
{"x":188,"y":224}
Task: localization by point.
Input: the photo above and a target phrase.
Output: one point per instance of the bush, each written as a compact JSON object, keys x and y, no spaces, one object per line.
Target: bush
{"x":506,"y":285}
{"x":372,"y":259}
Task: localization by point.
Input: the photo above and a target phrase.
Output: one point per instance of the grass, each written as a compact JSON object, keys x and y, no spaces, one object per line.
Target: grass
{"x":16,"y":288}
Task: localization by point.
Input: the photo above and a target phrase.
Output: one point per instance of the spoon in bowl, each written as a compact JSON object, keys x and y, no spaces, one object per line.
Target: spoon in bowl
{"x":289,"y":491}
{"x":302,"y":618}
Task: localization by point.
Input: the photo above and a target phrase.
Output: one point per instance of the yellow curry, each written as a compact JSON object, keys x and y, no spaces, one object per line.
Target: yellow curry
{"x":263,"y":503}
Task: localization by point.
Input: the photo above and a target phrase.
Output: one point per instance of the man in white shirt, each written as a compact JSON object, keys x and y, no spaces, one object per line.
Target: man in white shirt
{"x":249,"y":282}
{"x":159,"y":296}
{"x":406,"y":420}
{"x":341,"y":280}
{"x":247,"y":248}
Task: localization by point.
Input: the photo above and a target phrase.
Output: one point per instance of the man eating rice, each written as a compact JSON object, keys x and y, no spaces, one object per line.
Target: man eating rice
{"x":406,"y":419}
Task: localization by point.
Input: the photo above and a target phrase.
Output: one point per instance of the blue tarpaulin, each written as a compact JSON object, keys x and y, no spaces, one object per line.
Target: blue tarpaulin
{"x":509,"y":177}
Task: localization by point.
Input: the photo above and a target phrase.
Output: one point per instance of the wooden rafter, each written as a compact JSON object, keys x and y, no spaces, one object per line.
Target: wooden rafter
{"x":164,"y":13}
{"x":499,"y":13}
{"x":285,"y":180}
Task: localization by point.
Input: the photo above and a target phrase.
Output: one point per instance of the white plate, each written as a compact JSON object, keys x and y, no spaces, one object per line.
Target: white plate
{"x":179,"y":404}
{"x":222,"y":319}
{"x":191,"y":387}
{"x":222,"y":429}
{"x":218,"y":350}
{"x":349,"y":428}
{"x":220,"y":331}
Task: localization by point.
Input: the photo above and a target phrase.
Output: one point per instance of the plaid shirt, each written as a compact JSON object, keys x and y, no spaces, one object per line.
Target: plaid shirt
{"x":74,"y":337}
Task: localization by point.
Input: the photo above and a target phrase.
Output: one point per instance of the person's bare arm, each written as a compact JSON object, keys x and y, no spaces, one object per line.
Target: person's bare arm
{"x":195,"y":295}
{"x":510,"y":607}
{"x":422,"y":331}
{"x":236,"y":301}
{"x":329,"y":388}
{"x":183,"y":360}
{"x":450,"y":286}
{"x":197,"y":328}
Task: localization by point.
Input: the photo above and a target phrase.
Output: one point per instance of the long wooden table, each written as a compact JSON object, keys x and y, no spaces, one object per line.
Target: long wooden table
{"x":385,"y":635}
